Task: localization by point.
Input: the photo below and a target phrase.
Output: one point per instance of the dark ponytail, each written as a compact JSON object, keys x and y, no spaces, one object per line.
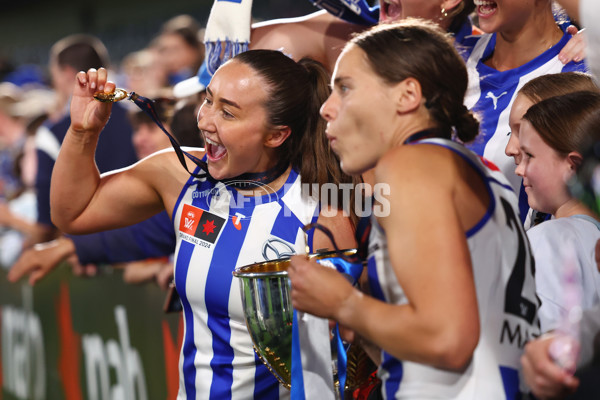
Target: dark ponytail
{"x":466,"y":125}
{"x":314,"y":158}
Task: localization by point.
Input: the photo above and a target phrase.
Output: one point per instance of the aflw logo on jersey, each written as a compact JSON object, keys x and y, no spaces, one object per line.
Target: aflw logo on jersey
{"x":201,"y":224}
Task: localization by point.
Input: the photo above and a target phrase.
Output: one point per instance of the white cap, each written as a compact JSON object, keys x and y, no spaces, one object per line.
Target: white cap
{"x":193,"y":85}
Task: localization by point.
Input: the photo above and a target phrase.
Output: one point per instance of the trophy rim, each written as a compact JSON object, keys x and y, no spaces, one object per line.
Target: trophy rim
{"x":278,"y":267}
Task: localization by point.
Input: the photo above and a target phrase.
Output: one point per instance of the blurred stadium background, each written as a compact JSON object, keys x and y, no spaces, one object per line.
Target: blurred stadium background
{"x":28,"y":28}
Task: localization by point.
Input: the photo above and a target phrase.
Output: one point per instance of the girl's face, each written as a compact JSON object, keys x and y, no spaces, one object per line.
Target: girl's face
{"x":519,"y":108}
{"x":175,"y":53}
{"x":233,"y":122}
{"x":148,"y":138}
{"x":544,"y":171}
{"x":359,"y":111}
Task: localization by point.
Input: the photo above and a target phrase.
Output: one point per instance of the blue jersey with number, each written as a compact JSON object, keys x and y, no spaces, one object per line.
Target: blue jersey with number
{"x":491,"y":94}
{"x":219,"y":230}
{"x":503,"y":272}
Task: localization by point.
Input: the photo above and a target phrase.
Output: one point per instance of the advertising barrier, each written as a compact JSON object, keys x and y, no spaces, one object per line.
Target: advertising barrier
{"x":93,"y":338}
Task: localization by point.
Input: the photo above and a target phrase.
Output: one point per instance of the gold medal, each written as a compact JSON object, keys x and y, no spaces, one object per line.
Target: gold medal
{"x":117,"y":95}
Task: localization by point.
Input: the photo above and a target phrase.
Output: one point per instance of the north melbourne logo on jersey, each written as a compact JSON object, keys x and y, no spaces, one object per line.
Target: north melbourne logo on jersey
{"x":201,"y":224}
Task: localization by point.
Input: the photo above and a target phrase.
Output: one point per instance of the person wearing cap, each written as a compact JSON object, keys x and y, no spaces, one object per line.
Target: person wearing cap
{"x":12,"y":137}
{"x":16,"y":207}
{"x":21,"y":111}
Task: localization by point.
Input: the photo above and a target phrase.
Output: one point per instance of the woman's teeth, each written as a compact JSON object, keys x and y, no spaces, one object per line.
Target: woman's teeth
{"x":214,"y":150}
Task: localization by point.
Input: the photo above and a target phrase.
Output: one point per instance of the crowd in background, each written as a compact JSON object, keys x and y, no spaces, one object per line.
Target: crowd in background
{"x":34,"y":117}
{"x":34,"y":106}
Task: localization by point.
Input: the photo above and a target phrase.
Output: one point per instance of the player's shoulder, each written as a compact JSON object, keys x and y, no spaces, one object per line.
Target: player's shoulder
{"x":418,"y":164}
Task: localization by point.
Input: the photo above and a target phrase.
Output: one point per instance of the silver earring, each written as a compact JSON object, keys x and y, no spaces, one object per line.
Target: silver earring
{"x":444,"y":14}
{"x":452,"y":13}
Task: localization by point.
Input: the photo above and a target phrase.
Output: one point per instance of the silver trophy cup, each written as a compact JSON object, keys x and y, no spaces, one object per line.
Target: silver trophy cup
{"x":268,"y":310}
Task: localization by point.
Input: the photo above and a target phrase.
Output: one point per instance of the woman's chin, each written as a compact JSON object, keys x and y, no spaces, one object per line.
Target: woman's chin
{"x":220,"y":172}
{"x":351,"y":169}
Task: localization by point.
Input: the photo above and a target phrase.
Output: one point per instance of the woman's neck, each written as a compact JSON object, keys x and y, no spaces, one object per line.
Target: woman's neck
{"x":264,"y":189}
{"x":411,"y":124}
{"x":518,"y":47}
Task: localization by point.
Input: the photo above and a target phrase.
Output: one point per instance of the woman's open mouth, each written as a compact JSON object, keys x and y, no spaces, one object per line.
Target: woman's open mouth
{"x":485,"y":8}
{"x":214,"y":151}
{"x":389,"y":11}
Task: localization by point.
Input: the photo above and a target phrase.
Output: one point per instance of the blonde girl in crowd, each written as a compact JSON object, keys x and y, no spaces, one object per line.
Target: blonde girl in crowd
{"x":551,"y":134}
{"x":535,"y":90}
{"x":552,"y":153}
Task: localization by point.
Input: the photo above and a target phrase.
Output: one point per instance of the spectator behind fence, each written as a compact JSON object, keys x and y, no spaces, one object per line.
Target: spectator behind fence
{"x":115,"y":149}
{"x":153,"y":238}
{"x":180,"y":48}
{"x":23,"y":115}
{"x":550,"y":137}
{"x":144,"y":73}
{"x":549,"y":376}
{"x":12,"y":138}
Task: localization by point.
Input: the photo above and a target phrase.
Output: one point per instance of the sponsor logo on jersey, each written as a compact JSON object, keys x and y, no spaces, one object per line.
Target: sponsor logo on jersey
{"x":200,"y":223}
{"x":237,"y":220}
{"x":197,"y":194}
{"x":275,"y":248}
{"x":494,"y":98}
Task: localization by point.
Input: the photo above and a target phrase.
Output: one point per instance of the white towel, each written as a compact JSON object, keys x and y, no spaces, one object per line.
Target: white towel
{"x":229,"y":25}
{"x":315,"y":350}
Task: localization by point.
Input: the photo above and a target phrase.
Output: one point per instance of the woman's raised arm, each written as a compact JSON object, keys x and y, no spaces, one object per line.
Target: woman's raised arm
{"x":81,"y":200}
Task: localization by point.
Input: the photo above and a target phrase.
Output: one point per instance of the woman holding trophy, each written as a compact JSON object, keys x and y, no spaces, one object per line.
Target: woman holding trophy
{"x":452,"y":295}
{"x":264,"y":139}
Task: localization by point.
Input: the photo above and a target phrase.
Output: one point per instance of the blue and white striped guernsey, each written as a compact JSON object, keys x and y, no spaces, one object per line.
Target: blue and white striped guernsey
{"x":491,"y":94}
{"x":219,"y":230}
{"x":502,"y":265}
